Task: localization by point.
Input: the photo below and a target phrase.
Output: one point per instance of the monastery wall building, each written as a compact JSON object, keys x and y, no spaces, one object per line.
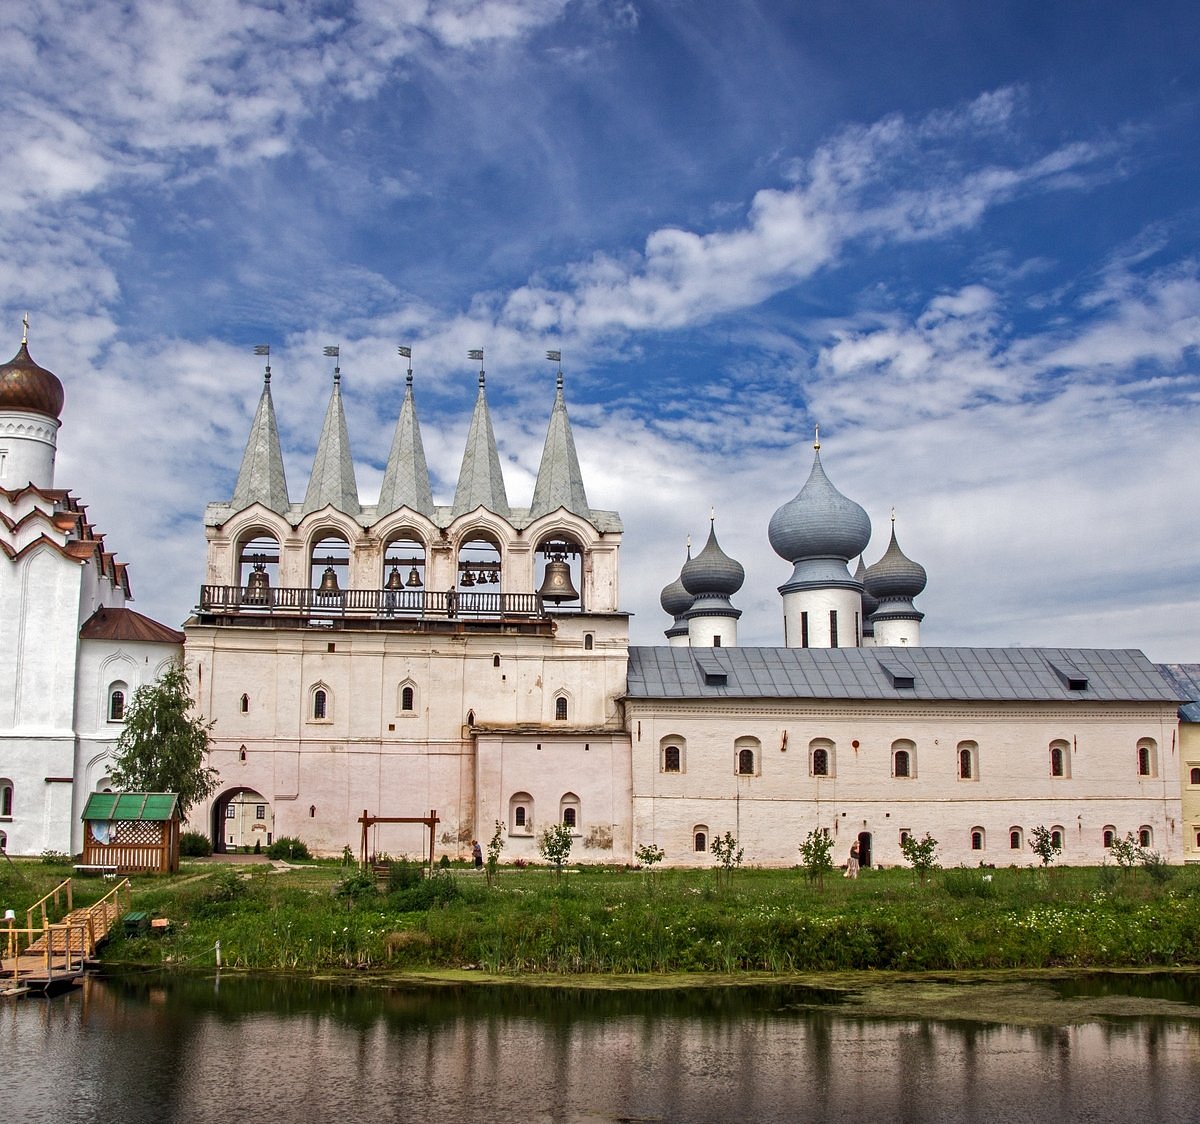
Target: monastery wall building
{"x":472,"y":659}
{"x":71,"y":652}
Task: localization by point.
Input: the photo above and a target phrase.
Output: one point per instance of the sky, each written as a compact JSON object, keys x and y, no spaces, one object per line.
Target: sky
{"x":963,"y":239}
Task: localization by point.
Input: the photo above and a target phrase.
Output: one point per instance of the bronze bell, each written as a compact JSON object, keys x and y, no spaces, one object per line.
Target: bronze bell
{"x":257,"y":588}
{"x":329,"y":582}
{"x":556,"y":584}
{"x":468,"y":579}
{"x":495,"y":578}
{"x":414,"y":579}
{"x":394,"y":580}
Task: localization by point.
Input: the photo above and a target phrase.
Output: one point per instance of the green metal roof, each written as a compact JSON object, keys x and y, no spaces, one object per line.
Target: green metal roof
{"x":132,"y":806}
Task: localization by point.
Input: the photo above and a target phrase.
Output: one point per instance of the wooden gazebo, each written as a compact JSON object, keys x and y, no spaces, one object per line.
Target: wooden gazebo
{"x":131,"y":831}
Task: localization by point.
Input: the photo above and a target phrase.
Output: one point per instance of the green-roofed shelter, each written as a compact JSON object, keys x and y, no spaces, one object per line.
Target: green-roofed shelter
{"x":132,"y":831}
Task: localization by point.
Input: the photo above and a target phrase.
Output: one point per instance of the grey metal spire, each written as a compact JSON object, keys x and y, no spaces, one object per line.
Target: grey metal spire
{"x":480,"y":482}
{"x":332,"y":480}
{"x":559,"y":481}
{"x":406,"y":478}
{"x":261,"y":479}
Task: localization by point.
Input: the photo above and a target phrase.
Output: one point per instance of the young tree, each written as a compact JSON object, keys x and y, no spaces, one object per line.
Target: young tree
{"x":555,"y":845}
{"x":649,"y":855}
{"x":494,"y":848}
{"x":1043,"y":844}
{"x":921,"y":854}
{"x":728,"y":854}
{"x":817,"y":853}
{"x":164,"y":746}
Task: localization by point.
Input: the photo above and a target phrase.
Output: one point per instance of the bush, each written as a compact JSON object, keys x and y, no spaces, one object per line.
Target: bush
{"x":193,"y":845}
{"x":360,"y":884}
{"x":426,"y":893}
{"x":403,"y":875}
{"x":55,"y":858}
{"x":288,"y":847}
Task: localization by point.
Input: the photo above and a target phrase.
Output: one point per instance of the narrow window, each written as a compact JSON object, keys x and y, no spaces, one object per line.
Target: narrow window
{"x":803,"y":630}
{"x":1056,"y":761}
{"x":560,"y":709}
{"x":746,"y":762}
{"x":1056,"y":837}
{"x":6,"y":798}
{"x":520,"y":813}
{"x":964,"y":765}
{"x":1194,"y":776}
{"x":470,"y":718}
{"x":495,"y":661}
{"x":320,"y":703}
{"x":820,"y":762}
{"x":569,"y":817}
{"x":700,"y":840}
{"x":833,"y":637}
{"x":901,"y":769}
{"x":976,"y":839}
{"x":245,"y":704}
{"x":716,"y":642}
{"x":1014,"y":839}
{"x":116,"y":706}
{"x":1110,"y":836}
{"x":1145,"y":760}
{"x":230,"y":812}
{"x":905,"y":835}
{"x":671,"y":759}
{"x":588,"y":641}
{"x":1145,"y":837}
{"x":407,"y":697}
{"x":260,"y":811}
{"x":520,"y":817}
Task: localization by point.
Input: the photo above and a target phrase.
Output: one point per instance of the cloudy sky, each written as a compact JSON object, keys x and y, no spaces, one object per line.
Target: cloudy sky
{"x":962,"y":238}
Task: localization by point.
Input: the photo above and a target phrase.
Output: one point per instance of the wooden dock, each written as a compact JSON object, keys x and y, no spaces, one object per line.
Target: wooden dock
{"x":54,"y":954}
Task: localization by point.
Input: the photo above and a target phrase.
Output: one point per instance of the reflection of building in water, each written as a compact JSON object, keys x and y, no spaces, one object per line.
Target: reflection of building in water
{"x":473,"y":658}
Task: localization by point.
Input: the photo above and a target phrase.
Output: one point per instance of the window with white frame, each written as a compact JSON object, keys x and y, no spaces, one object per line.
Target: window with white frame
{"x":977,"y":839}
{"x":1109,"y":836}
{"x":904,"y":759}
{"x":407,"y":698}
{"x":672,"y":760}
{"x":560,"y":709}
{"x":320,"y":703}
{"x":569,"y":812}
{"x":1060,"y":758}
{"x":1145,"y":836}
{"x":118,"y":696}
{"x":968,"y":761}
{"x":700,"y":838}
{"x":1015,"y":838}
{"x":520,"y":814}
{"x":6,"y":798}
{"x":1147,"y":757}
{"x":746,"y":756}
{"x":821,"y":757}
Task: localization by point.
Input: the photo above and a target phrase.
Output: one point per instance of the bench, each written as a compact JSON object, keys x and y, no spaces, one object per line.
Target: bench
{"x":109,"y":870}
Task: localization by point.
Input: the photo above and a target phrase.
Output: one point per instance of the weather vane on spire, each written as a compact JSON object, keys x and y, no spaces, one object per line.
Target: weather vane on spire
{"x":264,"y":349}
{"x":25,"y":328}
{"x":817,"y":437}
{"x":556,"y":357}
{"x":477,"y":353}
{"x":335,"y":353}
{"x":406,"y":353}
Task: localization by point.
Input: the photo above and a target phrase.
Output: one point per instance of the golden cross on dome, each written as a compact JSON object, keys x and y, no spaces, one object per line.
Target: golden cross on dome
{"x":25,"y":328}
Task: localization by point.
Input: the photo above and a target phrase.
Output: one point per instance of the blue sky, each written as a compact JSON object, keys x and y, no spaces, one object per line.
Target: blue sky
{"x":963,"y":238}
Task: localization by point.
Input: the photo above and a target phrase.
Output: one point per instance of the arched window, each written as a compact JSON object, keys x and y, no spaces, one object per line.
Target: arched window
{"x":6,"y":797}
{"x":3,"y":842}
{"x":1147,"y":758}
{"x":820,"y":757}
{"x":904,"y":759}
{"x":1058,"y":765}
{"x":589,"y":641}
{"x":520,"y":814}
{"x":1110,"y":836}
{"x":470,"y":718}
{"x":672,"y":756}
{"x":1014,"y":838}
{"x":977,"y":839}
{"x":117,"y":694}
{"x":1145,"y":836}
{"x":560,"y":709}
{"x":747,"y":758}
{"x":700,"y":838}
{"x":245,"y":704}
{"x":968,"y":761}
{"x":568,"y":811}
{"x":408,"y":698}
{"x":320,"y":704}
{"x":496,"y":660}
{"x":1194,"y":776}
{"x":1056,"y":837}
{"x":746,"y":762}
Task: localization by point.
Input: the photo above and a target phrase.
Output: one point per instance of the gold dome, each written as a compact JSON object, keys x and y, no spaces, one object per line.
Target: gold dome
{"x":26,"y":386}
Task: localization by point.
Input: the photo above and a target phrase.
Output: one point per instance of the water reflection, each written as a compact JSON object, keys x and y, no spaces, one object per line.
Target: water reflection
{"x":280,"y":1050}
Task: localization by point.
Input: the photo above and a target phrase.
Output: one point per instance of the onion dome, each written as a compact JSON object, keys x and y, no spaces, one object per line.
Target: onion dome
{"x":869,"y":601}
{"x":26,"y":386}
{"x":674,"y":599}
{"x":819,"y":522}
{"x":895,"y":577}
{"x":712,"y":571}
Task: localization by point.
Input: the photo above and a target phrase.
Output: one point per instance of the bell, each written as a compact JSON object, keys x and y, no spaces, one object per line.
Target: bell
{"x":495,"y":578}
{"x":394,"y":580}
{"x":329,"y":582}
{"x":258,"y":587}
{"x":414,"y":579}
{"x":556,"y":585}
{"x":468,"y":579}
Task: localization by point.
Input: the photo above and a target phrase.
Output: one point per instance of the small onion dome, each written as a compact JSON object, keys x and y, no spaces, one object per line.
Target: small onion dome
{"x":712,"y":571}
{"x":819,"y":523}
{"x":894,"y":576}
{"x":869,"y":602}
{"x":26,"y":386}
{"x":674,"y":599}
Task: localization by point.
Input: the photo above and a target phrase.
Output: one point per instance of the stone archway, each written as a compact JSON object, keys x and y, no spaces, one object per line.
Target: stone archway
{"x":242,"y":820}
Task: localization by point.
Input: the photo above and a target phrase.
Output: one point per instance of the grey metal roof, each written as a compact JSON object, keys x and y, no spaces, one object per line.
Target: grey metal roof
{"x":406,"y":478}
{"x":559,"y":481}
{"x":983,"y":674}
{"x":480,"y":481}
{"x":261,"y":479}
{"x":332,"y":480}
{"x":1186,"y":678}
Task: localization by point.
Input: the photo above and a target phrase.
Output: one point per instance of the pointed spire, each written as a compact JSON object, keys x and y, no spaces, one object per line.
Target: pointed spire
{"x":406,"y":478}
{"x":480,"y":482}
{"x":261,"y":479}
{"x":332,"y":480}
{"x":559,"y":481}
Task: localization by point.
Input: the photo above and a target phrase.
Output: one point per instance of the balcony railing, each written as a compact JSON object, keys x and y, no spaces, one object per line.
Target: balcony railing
{"x":374,"y":604}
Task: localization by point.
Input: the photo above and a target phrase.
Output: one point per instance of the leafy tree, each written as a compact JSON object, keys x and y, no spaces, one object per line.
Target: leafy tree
{"x":728,"y":854}
{"x":164,"y":746}
{"x":1043,"y":844}
{"x":555,"y":845}
{"x":649,"y":855}
{"x":921,"y":854}
{"x":494,"y":848}
{"x":1127,"y":852}
{"x":817,"y":854}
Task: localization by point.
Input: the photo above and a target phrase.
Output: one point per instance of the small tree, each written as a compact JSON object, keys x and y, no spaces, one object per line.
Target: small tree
{"x":728,"y":854}
{"x":493,"y":855}
{"x":1044,"y":845}
{"x":921,"y":854}
{"x":1127,"y":852}
{"x":164,"y":746}
{"x":649,"y":855}
{"x":817,"y":853}
{"x":555,"y":846}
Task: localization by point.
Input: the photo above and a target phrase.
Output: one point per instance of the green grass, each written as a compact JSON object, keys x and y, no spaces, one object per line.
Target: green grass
{"x":603,"y":920}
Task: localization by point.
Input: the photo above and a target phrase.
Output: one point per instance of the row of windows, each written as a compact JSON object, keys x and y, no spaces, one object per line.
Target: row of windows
{"x":320,"y":706}
{"x":520,"y":813}
{"x":821,"y":758}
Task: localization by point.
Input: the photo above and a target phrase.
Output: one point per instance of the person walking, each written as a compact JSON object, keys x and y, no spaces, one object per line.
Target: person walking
{"x":852,"y":863}
{"x":477,"y":854}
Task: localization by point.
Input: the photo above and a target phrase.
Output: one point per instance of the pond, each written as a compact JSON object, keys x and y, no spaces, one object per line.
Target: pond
{"x":147,"y":1048}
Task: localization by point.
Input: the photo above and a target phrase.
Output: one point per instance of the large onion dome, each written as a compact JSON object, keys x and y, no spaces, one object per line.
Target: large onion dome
{"x":674,"y":599}
{"x":26,"y":386}
{"x":712,"y":571}
{"x":895,"y":577}
{"x":819,"y":522}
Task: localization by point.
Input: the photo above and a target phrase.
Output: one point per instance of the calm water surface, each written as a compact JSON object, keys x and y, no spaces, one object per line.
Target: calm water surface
{"x":240,"y":1049}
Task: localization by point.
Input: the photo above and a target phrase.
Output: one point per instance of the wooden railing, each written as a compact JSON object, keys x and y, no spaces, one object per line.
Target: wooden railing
{"x":63,"y":889}
{"x":380,"y":604}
